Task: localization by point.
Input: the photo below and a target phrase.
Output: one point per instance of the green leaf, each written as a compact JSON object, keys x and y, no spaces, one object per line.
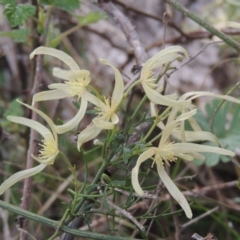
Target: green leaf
{"x":4,"y":2}
{"x":116,"y":183}
{"x":126,"y":152}
{"x":92,"y":17}
{"x":47,"y":2}
{"x":227,"y":130}
{"x":18,"y":14}
{"x":19,"y":35}
{"x":67,"y":5}
{"x":14,"y":109}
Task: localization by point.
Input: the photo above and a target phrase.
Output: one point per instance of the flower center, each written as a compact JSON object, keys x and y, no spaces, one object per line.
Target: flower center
{"x":77,"y":87}
{"x":106,"y":111}
{"x":48,"y":150}
{"x":165,"y":153}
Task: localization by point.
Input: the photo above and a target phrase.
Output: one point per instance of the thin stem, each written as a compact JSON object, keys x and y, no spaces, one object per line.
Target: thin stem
{"x":138,"y":107}
{"x":130,"y":88}
{"x":55,"y":224}
{"x":220,"y":104}
{"x":204,"y":24}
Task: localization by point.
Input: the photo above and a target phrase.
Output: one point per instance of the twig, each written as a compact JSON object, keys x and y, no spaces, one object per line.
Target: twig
{"x":195,"y":56}
{"x":145,"y":14}
{"x":199,"y":218}
{"x":204,"y":24}
{"x":145,"y":195}
{"x":195,"y":192}
{"x":26,"y":195}
{"x":35,"y":84}
{"x":126,"y":214}
{"x":127,"y":28}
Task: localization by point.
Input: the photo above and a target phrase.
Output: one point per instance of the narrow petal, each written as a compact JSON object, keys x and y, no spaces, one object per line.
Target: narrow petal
{"x":75,"y":120}
{"x":46,"y":161}
{"x":103,"y":124}
{"x":19,"y":176}
{"x":95,"y":101}
{"x":187,"y":157}
{"x":44,"y":116}
{"x":192,"y":136}
{"x":164,"y":56}
{"x":114,"y":118}
{"x":192,"y":147}
{"x":70,"y":74}
{"x":69,"y":61}
{"x":186,"y":115}
{"x":32,"y":124}
{"x":194,"y":95}
{"x":172,"y":125}
{"x":119,"y":84}
{"x":49,"y":95}
{"x":174,"y":191}
{"x":157,"y":98}
{"x":89,"y":133}
{"x":195,"y":126}
{"x":143,"y":157}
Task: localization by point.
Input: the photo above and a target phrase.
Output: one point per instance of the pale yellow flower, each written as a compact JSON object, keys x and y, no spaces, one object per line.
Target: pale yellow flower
{"x":167,"y":152}
{"x":107,"y":117}
{"x":47,"y":154}
{"x":76,"y":84}
{"x":197,"y":134}
{"x":148,"y":81}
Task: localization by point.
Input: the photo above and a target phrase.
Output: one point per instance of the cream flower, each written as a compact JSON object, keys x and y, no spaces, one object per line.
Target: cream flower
{"x":47,"y":154}
{"x":75,"y":85}
{"x":180,"y":133}
{"x":197,"y":134}
{"x":167,"y":152}
{"x":107,"y":117}
{"x":148,"y":81}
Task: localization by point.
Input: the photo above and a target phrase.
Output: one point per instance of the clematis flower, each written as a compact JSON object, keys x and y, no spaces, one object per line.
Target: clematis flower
{"x":47,"y":154}
{"x":107,"y":118}
{"x":180,"y":133}
{"x":75,"y":85}
{"x":168,"y":152}
{"x":148,"y":81}
{"x":197,"y":134}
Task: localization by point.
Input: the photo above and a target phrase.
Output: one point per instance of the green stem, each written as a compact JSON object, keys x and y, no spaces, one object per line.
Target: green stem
{"x":95,"y":180}
{"x":55,"y":224}
{"x":138,"y":107}
{"x":131,"y":87}
{"x":219,"y":106}
{"x":204,"y":24}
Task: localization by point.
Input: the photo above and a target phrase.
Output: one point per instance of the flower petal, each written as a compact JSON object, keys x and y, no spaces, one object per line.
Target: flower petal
{"x":70,"y":75}
{"x":19,"y":176}
{"x":119,"y":85}
{"x":164,"y":56}
{"x":143,"y":157}
{"x":32,"y":124}
{"x":196,"y":94}
{"x":172,"y":125}
{"x":49,"y":95}
{"x":193,"y":136}
{"x":58,"y":54}
{"x":157,"y":98}
{"x":75,"y":120}
{"x":174,"y":191}
{"x":95,"y":101}
{"x":44,"y":116}
{"x":192,"y":147}
{"x":103,"y":124}
{"x":89,"y":133}
{"x":46,"y":161}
